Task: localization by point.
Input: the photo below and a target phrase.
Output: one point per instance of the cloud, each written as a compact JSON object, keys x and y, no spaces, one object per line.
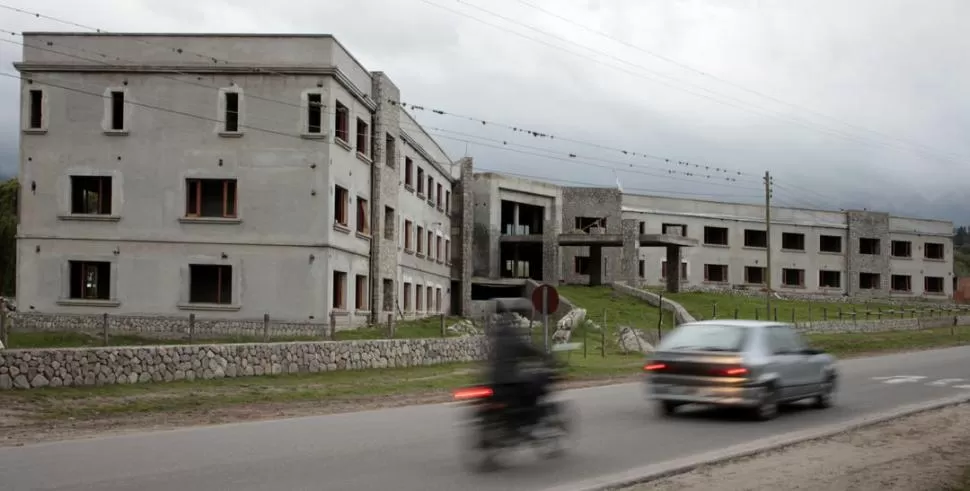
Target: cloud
{"x":894,"y":70}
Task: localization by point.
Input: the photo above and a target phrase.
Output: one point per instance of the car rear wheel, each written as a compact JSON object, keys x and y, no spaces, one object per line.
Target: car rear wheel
{"x":826,"y":395}
{"x":667,"y":408}
{"x":767,"y":407}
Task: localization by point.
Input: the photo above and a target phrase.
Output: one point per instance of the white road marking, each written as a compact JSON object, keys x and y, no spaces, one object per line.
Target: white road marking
{"x":902,"y":379}
{"x":944,"y":381}
{"x":964,"y":386}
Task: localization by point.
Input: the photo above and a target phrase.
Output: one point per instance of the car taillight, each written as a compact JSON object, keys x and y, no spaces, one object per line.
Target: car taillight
{"x":734,"y":371}
{"x":471,"y":393}
{"x":653,"y":367}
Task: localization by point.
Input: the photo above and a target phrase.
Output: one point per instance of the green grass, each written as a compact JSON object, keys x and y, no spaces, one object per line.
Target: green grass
{"x":702,"y":306}
{"x":411,"y":329}
{"x":849,"y":344}
{"x":611,"y":309}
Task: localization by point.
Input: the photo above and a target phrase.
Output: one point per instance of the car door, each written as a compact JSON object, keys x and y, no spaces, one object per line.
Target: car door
{"x":811,"y":371}
{"x":804,"y":371}
{"x":782,"y":358}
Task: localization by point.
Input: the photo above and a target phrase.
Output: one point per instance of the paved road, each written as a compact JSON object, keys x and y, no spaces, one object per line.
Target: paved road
{"x":412,"y":449}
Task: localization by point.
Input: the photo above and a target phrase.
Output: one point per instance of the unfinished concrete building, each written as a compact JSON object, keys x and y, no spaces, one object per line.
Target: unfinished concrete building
{"x":277,"y":177}
{"x":607,"y":235}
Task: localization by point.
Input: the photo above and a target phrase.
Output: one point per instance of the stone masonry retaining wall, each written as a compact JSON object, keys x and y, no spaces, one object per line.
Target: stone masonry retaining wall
{"x":680,"y":313}
{"x":35,"y":368}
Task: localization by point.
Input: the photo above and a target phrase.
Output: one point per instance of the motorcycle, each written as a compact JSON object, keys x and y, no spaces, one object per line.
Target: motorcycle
{"x":496,"y":428}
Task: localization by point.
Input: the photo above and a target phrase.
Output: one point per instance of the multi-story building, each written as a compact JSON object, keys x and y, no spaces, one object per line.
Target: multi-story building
{"x":860,"y":253}
{"x":231,"y":175}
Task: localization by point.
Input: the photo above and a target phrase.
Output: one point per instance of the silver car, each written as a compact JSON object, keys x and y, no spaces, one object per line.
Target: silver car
{"x":755,"y":365}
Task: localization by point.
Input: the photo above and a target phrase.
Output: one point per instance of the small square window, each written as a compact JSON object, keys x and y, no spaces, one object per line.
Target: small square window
{"x":90,"y":280}
{"x":210,"y":283}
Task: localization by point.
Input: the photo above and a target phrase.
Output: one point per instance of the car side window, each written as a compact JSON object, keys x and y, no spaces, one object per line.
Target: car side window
{"x":777,"y":342}
{"x":788,"y":341}
{"x":797,"y":343}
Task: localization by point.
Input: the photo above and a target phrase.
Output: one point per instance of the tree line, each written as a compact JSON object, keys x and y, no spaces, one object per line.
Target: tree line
{"x":9,"y":191}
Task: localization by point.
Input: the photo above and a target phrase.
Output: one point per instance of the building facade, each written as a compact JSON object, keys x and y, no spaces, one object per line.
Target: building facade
{"x":858,"y":253}
{"x":274,"y":175}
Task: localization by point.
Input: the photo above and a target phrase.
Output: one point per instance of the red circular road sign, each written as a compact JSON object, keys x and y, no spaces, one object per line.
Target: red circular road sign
{"x":552,"y":299}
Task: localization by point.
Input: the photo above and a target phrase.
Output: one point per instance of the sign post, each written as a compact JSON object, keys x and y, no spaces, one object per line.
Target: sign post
{"x":545,"y":299}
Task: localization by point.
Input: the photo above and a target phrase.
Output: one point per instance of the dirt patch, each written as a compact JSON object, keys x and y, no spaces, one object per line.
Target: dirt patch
{"x":19,"y":427}
{"x":924,"y":452}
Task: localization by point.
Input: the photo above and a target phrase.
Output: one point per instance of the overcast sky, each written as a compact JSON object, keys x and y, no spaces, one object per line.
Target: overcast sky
{"x":848,"y":104}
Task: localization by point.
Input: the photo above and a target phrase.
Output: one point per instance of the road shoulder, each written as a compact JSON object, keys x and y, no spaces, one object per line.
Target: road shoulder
{"x":925,"y":451}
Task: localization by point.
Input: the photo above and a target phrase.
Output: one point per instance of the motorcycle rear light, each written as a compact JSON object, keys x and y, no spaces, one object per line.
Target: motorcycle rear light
{"x":471,"y":393}
{"x":653,"y":367}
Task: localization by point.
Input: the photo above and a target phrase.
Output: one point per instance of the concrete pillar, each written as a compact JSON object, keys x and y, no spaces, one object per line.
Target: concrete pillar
{"x":673,"y":269}
{"x":630,"y":253}
{"x":595,"y":265}
{"x":551,"y":265}
{"x":515,"y":219}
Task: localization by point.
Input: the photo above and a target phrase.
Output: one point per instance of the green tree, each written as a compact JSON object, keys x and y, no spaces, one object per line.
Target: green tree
{"x":9,"y":191}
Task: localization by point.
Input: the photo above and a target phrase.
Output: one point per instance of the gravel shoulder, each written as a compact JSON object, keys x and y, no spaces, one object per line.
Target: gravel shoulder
{"x":924,"y":452}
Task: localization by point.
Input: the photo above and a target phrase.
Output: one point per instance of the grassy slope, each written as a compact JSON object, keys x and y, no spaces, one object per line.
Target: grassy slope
{"x":701,"y":306}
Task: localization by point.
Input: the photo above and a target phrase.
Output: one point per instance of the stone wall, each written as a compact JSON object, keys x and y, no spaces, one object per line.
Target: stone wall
{"x":680,"y":313}
{"x":868,"y":225}
{"x":591,"y":202}
{"x":35,"y":368}
{"x":907,"y":324}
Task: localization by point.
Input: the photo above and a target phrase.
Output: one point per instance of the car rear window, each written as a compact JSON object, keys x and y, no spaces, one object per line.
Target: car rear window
{"x":707,"y":337}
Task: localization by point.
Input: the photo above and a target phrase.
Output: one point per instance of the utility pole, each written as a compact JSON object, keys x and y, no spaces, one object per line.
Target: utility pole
{"x":768,"y":244}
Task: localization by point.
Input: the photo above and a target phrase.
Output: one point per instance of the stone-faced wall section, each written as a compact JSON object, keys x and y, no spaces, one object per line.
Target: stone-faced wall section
{"x":591,"y":202}
{"x":27,"y":369}
{"x":867,"y":224}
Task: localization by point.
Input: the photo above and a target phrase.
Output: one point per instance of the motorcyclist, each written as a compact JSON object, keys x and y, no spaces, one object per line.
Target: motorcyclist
{"x":509,"y":384}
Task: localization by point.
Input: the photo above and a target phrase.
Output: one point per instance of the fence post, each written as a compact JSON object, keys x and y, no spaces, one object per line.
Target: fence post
{"x":776,"y":313}
{"x":265,"y":327}
{"x":444,"y":330}
{"x":603,"y":342}
{"x":390,"y":325}
{"x":757,"y":313}
{"x":585,"y":341}
{"x":4,"y":338}
{"x":879,"y":313}
{"x":793,"y":315}
{"x":333,"y":326}
{"x":104,"y":328}
{"x":735,"y":313}
{"x":192,"y":328}
{"x":867,"y":315}
{"x":825,"y":313}
{"x":840,"y":313}
{"x":715,"y":311}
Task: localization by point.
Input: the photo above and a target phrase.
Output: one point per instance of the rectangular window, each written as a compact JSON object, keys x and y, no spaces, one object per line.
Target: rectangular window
{"x":360,"y":292}
{"x":933,"y":250}
{"x":830,"y":279}
{"x":437,"y":299}
{"x":438,"y":197}
{"x":683,"y":270}
{"x":830,"y":243}
{"x":792,"y":241}
{"x":448,"y":202}
{"x":420,"y":181}
{"x":901,"y":283}
{"x":210,"y":198}
{"x":581,"y":265}
{"x":210,"y":283}
{"x":340,"y":204}
{"x":407,"y":297}
{"x":716,"y":273}
{"x":642,"y":268}
{"x":430,"y":243}
{"x":389,"y":222}
{"x":902,"y":248}
{"x":755,"y":238}
{"x":36,"y":109}
{"x":408,"y":172}
{"x":314,"y":114}
{"x":933,"y":284}
{"x":869,"y":246}
{"x":363,"y":137}
{"x":716,"y":236}
{"x":390,"y":152}
{"x":754,"y":275}
{"x":420,"y":240}
{"x":584,"y":224}
{"x":90,"y":280}
{"x":387,"y":295}
{"x":447,"y":251}
{"x":91,"y":195}
{"x":642,"y":228}
{"x":419,"y":297}
{"x":438,"y":243}
{"x":869,"y":281}
{"x":673,"y":229}
{"x":430,"y":189}
{"x":339,"y":296}
{"x":793,"y":277}
{"x":232,"y":112}
{"x":342,"y":123}
{"x":117,"y":110}
{"x":363,"y":224}
{"x":408,"y":237}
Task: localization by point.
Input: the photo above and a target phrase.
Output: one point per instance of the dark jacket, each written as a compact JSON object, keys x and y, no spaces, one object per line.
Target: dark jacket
{"x":508,"y":349}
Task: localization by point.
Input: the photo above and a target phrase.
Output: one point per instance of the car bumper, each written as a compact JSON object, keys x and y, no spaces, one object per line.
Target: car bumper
{"x":740,"y":396}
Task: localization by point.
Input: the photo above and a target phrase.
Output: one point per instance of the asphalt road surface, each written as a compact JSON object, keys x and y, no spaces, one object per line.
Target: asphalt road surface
{"x":414,"y":448}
